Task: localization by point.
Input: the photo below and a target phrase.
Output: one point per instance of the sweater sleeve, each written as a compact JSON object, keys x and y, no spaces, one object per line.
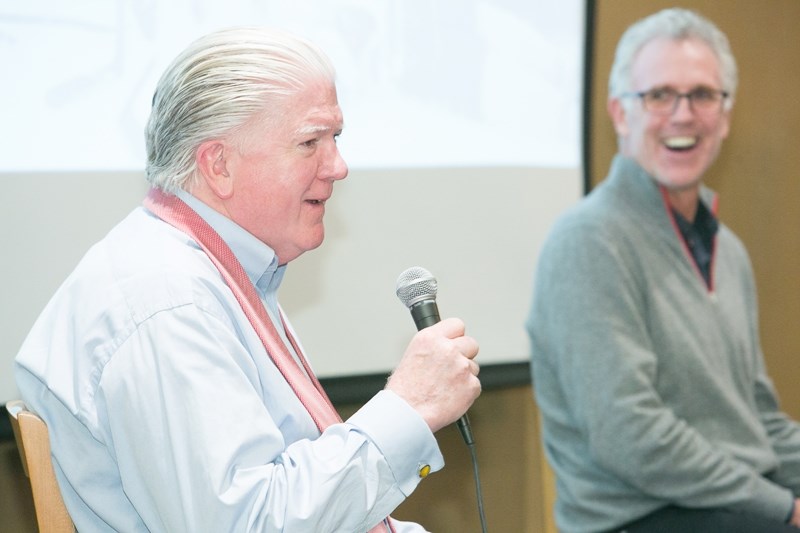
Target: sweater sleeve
{"x":783,"y":432}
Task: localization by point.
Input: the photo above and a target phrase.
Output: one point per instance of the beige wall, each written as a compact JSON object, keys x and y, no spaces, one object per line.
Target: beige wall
{"x":757,"y":178}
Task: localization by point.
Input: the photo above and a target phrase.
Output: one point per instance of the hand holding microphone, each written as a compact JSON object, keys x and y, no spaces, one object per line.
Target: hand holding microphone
{"x":437,"y":375}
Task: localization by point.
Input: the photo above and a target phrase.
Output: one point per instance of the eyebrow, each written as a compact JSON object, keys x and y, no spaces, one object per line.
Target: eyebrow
{"x":673,"y":88}
{"x":310,"y":129}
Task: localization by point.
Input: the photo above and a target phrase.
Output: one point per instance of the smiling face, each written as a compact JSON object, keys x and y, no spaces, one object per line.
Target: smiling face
{"x":675,"y":148}
{"x":283,"y":173}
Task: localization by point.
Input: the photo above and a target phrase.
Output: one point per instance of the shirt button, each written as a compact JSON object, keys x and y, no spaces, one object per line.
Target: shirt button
{"x":424,"y":470}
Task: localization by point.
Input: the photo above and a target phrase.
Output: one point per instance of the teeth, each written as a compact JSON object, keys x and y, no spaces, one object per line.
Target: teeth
{"x":680,"y":142}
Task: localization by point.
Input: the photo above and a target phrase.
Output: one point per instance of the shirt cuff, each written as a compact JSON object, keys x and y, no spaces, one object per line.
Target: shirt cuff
{"x":402,"y":436}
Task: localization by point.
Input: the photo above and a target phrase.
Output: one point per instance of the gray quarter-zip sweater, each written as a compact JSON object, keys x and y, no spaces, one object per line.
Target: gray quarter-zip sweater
{"x":651,"y":385}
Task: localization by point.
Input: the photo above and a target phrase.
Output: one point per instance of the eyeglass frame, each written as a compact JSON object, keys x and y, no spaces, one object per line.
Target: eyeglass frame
{"x":690,"y":96}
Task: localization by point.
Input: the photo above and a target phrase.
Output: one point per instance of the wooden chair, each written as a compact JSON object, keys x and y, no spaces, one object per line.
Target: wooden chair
{"x":33,"y":443}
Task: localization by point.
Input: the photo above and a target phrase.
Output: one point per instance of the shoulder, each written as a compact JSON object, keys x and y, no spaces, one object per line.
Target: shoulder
{"x":599,"y":224}
{"x":149,"y":266}
{"x":141,"y":269}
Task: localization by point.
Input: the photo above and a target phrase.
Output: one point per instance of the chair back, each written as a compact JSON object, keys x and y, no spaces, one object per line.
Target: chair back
{"x":33,"y":443}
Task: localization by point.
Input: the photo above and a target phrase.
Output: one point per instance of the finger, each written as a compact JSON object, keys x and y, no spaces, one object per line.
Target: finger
{"x":451,"y":328}
{"x":467,"y":346}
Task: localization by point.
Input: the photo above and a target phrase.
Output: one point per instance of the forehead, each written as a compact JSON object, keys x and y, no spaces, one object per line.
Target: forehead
{"x":314,"y":109}
{"x":681,"y":63}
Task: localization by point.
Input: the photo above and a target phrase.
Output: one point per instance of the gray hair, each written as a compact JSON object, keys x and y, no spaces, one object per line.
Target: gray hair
{"x":215,"y":86}
{"x":677,"y":24}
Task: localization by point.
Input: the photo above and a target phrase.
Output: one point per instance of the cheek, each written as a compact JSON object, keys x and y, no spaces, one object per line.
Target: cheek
{"x":650,"y":133}
{"x":640,"y":130}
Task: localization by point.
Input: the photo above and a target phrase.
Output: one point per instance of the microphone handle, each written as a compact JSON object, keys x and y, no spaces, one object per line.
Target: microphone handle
{"x":466,"y":429}
{"x":426,"y":313}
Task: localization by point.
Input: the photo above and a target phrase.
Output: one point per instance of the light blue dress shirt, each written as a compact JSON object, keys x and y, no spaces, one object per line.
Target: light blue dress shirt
{"x":167,"y":414}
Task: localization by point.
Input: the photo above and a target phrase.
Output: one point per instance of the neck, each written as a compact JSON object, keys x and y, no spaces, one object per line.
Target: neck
{"x":203,"y":192}
{"x":684,"y":201}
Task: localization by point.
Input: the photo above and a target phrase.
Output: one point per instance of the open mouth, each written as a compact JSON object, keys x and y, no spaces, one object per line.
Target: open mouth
{"x":681,"y":143}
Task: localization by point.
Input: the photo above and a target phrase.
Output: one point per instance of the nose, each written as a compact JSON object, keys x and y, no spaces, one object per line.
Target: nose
{"x":681,"y":108}
{"x":336,"y":167}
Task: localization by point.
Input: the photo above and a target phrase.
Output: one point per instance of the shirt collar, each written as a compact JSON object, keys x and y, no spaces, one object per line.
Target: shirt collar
{"x":699,"y":237}
{"x":705,"y":223}
{"x":258,"y":260}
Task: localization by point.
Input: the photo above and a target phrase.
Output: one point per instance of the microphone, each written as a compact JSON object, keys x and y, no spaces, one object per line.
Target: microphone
{"x":416,"y":288}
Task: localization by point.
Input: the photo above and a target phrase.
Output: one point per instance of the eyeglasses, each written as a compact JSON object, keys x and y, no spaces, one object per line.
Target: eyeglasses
{"x":664,"y":101}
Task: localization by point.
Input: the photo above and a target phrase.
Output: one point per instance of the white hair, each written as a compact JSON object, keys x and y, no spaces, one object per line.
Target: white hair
{"x":215,"y":86}
{"x":677,"y":24}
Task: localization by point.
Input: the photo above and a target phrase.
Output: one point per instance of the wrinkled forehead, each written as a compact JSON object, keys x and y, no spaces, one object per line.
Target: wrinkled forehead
{"x":314,"y":108}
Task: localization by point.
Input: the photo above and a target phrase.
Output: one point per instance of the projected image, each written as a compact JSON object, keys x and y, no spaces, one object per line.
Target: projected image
{"x":422,"y":84}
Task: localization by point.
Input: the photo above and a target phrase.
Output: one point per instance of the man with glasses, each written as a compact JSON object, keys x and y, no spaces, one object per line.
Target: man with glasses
{"x":657,"y":412}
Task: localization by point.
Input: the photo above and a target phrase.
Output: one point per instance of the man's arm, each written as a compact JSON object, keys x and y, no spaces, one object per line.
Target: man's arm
{"x":208,"y":438}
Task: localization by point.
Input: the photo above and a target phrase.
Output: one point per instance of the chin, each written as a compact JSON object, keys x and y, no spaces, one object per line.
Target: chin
{"x":679,"y":180}
{"x":314,"y":242}
{"x":681,"y":185}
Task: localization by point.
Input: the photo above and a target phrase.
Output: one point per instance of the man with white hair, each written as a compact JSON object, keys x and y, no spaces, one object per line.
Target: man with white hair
{"x":175,"y":392}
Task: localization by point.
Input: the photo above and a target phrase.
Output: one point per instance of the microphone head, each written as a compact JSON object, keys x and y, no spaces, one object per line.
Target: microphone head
{"x":415,"y":285}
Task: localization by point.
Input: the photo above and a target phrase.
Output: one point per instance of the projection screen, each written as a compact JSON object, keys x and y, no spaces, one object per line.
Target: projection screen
{"x":462,"y":133}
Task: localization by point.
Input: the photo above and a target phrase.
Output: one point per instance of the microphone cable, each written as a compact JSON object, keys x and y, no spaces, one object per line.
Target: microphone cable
{"x":478,"y":492}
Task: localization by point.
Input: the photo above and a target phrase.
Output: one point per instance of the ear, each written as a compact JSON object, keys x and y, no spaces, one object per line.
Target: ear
{"x":725,"y":128}
{"x":211,"y":164}
{"x":617,"y":113}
